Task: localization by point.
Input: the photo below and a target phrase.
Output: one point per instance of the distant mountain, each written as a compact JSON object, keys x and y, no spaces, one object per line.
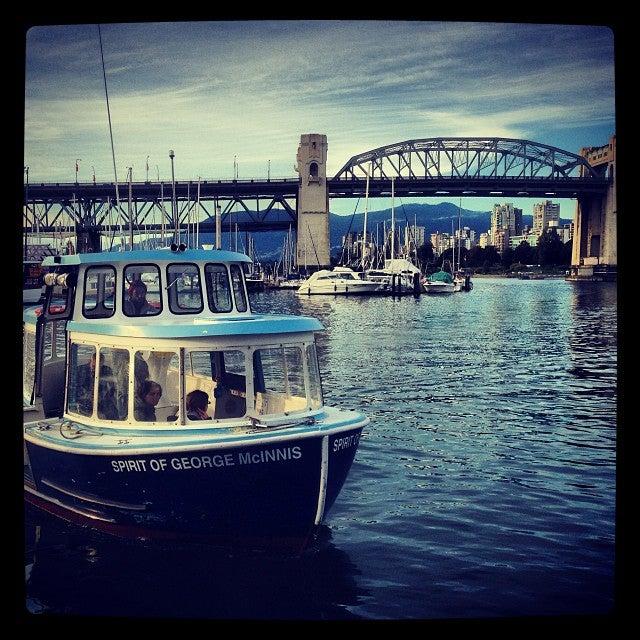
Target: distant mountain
{"x":434,"y":217}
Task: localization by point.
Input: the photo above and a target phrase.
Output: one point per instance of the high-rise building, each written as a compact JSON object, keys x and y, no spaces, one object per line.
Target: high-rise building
{"x":545,"y":213}
{"x":485,"y":240}
{"x":506,"y":221}
{"x":465,"y":237}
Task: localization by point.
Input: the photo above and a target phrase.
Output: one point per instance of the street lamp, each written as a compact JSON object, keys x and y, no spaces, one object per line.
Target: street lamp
{"x":94,"y":173}
{"x":147,"y":168}
{"x":176,"y":235}
{"x":158,"y":173}
{"x":77,"y":160}
{"x":235,"y":168}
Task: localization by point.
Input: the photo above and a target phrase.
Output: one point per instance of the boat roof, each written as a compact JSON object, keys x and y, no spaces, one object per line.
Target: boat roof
{"x":155,"y":255}
{"x":197,"y":326}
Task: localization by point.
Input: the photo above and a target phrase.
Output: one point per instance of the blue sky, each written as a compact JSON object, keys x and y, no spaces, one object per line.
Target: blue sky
{"x":214,"y":90}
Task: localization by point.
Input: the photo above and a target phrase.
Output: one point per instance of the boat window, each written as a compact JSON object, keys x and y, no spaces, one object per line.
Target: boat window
{"x":183,"y":285}
{"x":238,"y":288}
{"x":156,"y":386}
{"x":99,"y":292}
{"x":218,"y":288}
{"x":215,"y":385}
{"x":315,"y":385}
{"x":278,"y":380}
{"x":113,"y":384}
{"x":81,"y":383}
{"x":141,"y":290}
{"x":29,"y":364}
{"x":59,"y":300}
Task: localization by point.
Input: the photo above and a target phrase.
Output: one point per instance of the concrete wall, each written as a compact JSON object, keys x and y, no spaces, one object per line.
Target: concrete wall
{"x":313,"y":203}
{"x":595,"y":224}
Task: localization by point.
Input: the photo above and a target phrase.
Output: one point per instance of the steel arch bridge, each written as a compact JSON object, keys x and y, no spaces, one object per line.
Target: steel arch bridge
{"x":466,"y":158}
{"x":480,"y":166}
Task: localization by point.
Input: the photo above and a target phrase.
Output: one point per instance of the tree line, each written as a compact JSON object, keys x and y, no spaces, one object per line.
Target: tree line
{"x":550,"y":252}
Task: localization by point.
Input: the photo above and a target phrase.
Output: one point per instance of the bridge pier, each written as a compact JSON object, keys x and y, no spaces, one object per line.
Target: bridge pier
{"x":313,"y":245}
{"x":594,"y":252}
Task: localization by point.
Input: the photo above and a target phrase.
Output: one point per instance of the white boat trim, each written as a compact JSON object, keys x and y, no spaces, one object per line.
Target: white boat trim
{"x":324,"y":472}
{"x":64,"y":505}
{"x":169,"y":448}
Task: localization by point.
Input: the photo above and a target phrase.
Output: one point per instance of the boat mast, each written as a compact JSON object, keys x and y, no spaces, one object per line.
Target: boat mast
{"x":113,"y":152}
{"x":198,"y":217}
{"x":393,"y":221}
{"x":459,"y":237}
{"x":366,"y":206}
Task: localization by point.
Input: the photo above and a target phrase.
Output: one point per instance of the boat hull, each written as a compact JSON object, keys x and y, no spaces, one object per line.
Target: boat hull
{"x":265,"y":494}
{"x":439,"y":288}
{"x":350,"y":289}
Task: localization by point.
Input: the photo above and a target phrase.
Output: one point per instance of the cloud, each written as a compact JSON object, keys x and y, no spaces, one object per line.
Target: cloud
{"x":213,"y":91}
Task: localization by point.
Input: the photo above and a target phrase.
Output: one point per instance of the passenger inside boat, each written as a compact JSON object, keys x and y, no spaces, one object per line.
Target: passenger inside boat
{"x":137,"y":304}
{"x":214,"y":382}
{"x":197,"y":403}
{"x":146,"y":401}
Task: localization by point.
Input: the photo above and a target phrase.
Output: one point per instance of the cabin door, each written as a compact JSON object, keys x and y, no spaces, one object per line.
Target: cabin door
{"x":51,"y":348}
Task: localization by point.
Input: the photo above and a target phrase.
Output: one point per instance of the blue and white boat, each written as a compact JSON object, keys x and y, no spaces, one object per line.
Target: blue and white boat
{"x":119,"y":447}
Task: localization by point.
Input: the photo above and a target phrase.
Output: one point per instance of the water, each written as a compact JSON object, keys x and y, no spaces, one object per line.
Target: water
{"x":484,"y":486}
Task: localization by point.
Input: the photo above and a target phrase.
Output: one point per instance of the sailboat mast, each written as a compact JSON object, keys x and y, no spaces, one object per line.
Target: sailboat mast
{"x":198,"y":218}
{"x":364,"y":238}
{"x":459,"y":237}
{"x":393,"y":219}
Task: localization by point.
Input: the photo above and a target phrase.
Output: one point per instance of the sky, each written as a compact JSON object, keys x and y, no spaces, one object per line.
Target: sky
{"x":244,"y":91}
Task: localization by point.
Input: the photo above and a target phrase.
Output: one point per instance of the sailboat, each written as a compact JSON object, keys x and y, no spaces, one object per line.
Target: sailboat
{"x":461,"y":279}
{"x":399,"y":274}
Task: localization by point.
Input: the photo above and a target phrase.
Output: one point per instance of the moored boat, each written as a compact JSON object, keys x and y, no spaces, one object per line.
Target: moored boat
{"x":439,"y":282}
{"x":181,"y":415}
{"x":341,"y":281}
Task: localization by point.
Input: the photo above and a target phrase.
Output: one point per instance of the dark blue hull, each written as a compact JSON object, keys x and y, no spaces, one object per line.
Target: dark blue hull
{"x":268,"y":493}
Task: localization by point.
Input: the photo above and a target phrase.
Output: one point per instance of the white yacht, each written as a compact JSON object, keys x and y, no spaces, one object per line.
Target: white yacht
{"x":341,"y":281}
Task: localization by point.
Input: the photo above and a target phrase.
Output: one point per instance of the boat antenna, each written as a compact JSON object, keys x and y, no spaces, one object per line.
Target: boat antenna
{"x":113,"y":153}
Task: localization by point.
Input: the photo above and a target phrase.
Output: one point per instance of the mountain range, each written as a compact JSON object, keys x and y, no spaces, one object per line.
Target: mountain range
{"x":434,"y":217}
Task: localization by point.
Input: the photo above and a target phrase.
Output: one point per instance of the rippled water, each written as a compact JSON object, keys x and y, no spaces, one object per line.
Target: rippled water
{"x":483,"y":487}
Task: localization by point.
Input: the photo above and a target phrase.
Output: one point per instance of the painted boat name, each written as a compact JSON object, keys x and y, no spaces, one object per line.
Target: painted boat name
{"x":185,"y":463}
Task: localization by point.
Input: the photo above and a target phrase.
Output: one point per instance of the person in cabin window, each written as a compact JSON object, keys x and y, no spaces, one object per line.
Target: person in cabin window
{"x":137,"y":304}
{"x":85,"y":380}
{"x":197,"y":405}
{"x":146,"y":399}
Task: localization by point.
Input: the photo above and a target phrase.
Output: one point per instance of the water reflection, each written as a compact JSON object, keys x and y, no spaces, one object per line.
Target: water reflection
{"x":72,"y":570}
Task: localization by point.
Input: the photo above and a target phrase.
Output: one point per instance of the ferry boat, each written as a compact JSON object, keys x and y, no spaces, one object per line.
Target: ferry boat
{"x":122,"y":444}
{"x":341,"y":281}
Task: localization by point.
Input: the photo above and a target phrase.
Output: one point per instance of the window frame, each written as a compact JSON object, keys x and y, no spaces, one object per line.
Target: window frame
{"x":230,"y":286}
{"x":177,"y":311}
{"x":242,"y":289}
{"x":124,"y":293}
{"x":87,"y":272}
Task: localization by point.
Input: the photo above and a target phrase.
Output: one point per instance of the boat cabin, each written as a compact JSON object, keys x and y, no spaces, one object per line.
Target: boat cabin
{"x":162,"y":339}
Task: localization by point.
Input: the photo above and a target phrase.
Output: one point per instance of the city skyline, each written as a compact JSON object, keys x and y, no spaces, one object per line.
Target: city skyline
{"x":236,"y":96}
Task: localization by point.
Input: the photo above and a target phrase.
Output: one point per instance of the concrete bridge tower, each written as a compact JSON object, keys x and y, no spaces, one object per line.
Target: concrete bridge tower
{"x":313,"y":203}
{"x":594,"y":253}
